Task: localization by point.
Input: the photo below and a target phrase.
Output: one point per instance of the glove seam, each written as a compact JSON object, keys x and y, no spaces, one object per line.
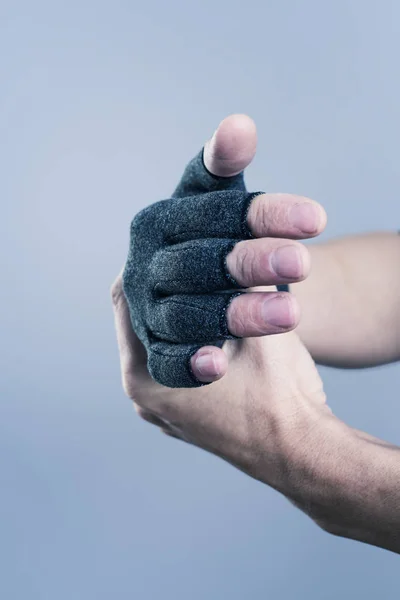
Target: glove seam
{"x":246,"y":231}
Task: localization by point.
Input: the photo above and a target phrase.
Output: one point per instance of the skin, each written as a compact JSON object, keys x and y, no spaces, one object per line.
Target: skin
{"x":350,"y":303}
{"x":266,"y":411}
{"x":277,"y":220}
{"x":343,"y":308}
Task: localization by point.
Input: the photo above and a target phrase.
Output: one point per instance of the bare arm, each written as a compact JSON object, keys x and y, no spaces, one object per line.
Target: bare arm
{"x":351,"y":301}
{"x":350,"y":486}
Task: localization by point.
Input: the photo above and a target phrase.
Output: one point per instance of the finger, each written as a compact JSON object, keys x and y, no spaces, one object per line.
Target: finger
{"x":170,"y":364}
{"x":209,"y":364}
{"x":239,"y":215}
{"x":252,"y":314}
{"x":133,"y":357}
{"x":192,"y":267}
{"x":201,"y":266}
{"x":190,"y":318}
{"x":268,"y":261}
{"x":209,"y":215}
{"x":285,"y":215}
{"x":232,"y":147}
{"x":262,"y":313}
{"x":219,"y":165}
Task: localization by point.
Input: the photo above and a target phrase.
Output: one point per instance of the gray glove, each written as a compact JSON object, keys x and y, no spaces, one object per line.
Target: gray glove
{"x":176,"y":280}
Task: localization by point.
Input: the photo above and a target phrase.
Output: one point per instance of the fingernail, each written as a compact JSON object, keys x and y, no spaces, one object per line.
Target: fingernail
{"x":305,"y":217}
{"x":278,"y":311}
{"x":205,"y":365}
{"x":286,"y":262}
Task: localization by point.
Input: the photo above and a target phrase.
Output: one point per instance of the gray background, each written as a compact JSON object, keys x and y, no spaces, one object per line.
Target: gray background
{"x":101,"y":106}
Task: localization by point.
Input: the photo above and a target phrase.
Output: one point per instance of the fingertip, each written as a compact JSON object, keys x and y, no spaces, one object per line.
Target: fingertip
{"x":311,"y":214}
{"x":238,"y":124}
{"x":232,"y":147}
{"x":324,"y":219}
{"x":209,"y":364}
{"x":306,"y":261}
{"x":296,"y":310}
{"x":281,"y":311}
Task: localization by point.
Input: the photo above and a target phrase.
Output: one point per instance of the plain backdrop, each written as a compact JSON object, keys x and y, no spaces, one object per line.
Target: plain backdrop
{"x":102,"y":104}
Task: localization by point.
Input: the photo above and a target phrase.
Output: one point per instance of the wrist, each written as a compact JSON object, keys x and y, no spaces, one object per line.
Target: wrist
{"x":291,"y":449}
{"x":317,"y":455}
{"x":348,"y":483}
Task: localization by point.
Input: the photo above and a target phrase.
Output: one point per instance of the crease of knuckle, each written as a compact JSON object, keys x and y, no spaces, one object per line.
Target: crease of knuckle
{"x":267,"y":215}
{"x":237,"y":318}
{"x":244,"y":263}
{"x":245,"y":318}
{"x":254,"y":317}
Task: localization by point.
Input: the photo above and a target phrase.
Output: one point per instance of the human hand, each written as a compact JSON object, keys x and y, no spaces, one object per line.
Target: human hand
{"x":269,"y":418}
{"x":177,"y":292}
{"x":266,"y":416}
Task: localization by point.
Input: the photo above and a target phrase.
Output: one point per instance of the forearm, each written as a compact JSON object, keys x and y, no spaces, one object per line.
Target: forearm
{"x":351,"y":301}
{"x":348,"y":482}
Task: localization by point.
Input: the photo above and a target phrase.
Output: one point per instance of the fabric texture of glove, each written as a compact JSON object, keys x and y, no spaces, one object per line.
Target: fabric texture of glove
{"x":176,"y":280}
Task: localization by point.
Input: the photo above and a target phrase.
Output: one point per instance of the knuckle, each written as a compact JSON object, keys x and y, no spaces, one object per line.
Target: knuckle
{"x":164,"y":266}
{"x":139,"y":222}
{"x":272,"y":216}
{"x":140,"y":216}
{"x":147,"y":216}
{"x":244,"y":259}
{"x":236,"y":317}
{"x":262,"y":214}
{"x":265,"y":214}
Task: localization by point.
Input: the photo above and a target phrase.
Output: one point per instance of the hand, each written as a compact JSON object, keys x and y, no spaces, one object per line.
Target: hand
{"x":271,"y":397}
{"x":187,"y":251}
{"x":266,"y":416}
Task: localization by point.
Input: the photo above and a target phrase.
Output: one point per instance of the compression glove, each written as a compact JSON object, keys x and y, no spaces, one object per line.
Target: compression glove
{"x":176,"y":279}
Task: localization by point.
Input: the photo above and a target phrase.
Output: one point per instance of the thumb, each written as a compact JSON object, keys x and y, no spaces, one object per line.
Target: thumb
{"x":220,"y":164}
{"x":232,"y":147}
